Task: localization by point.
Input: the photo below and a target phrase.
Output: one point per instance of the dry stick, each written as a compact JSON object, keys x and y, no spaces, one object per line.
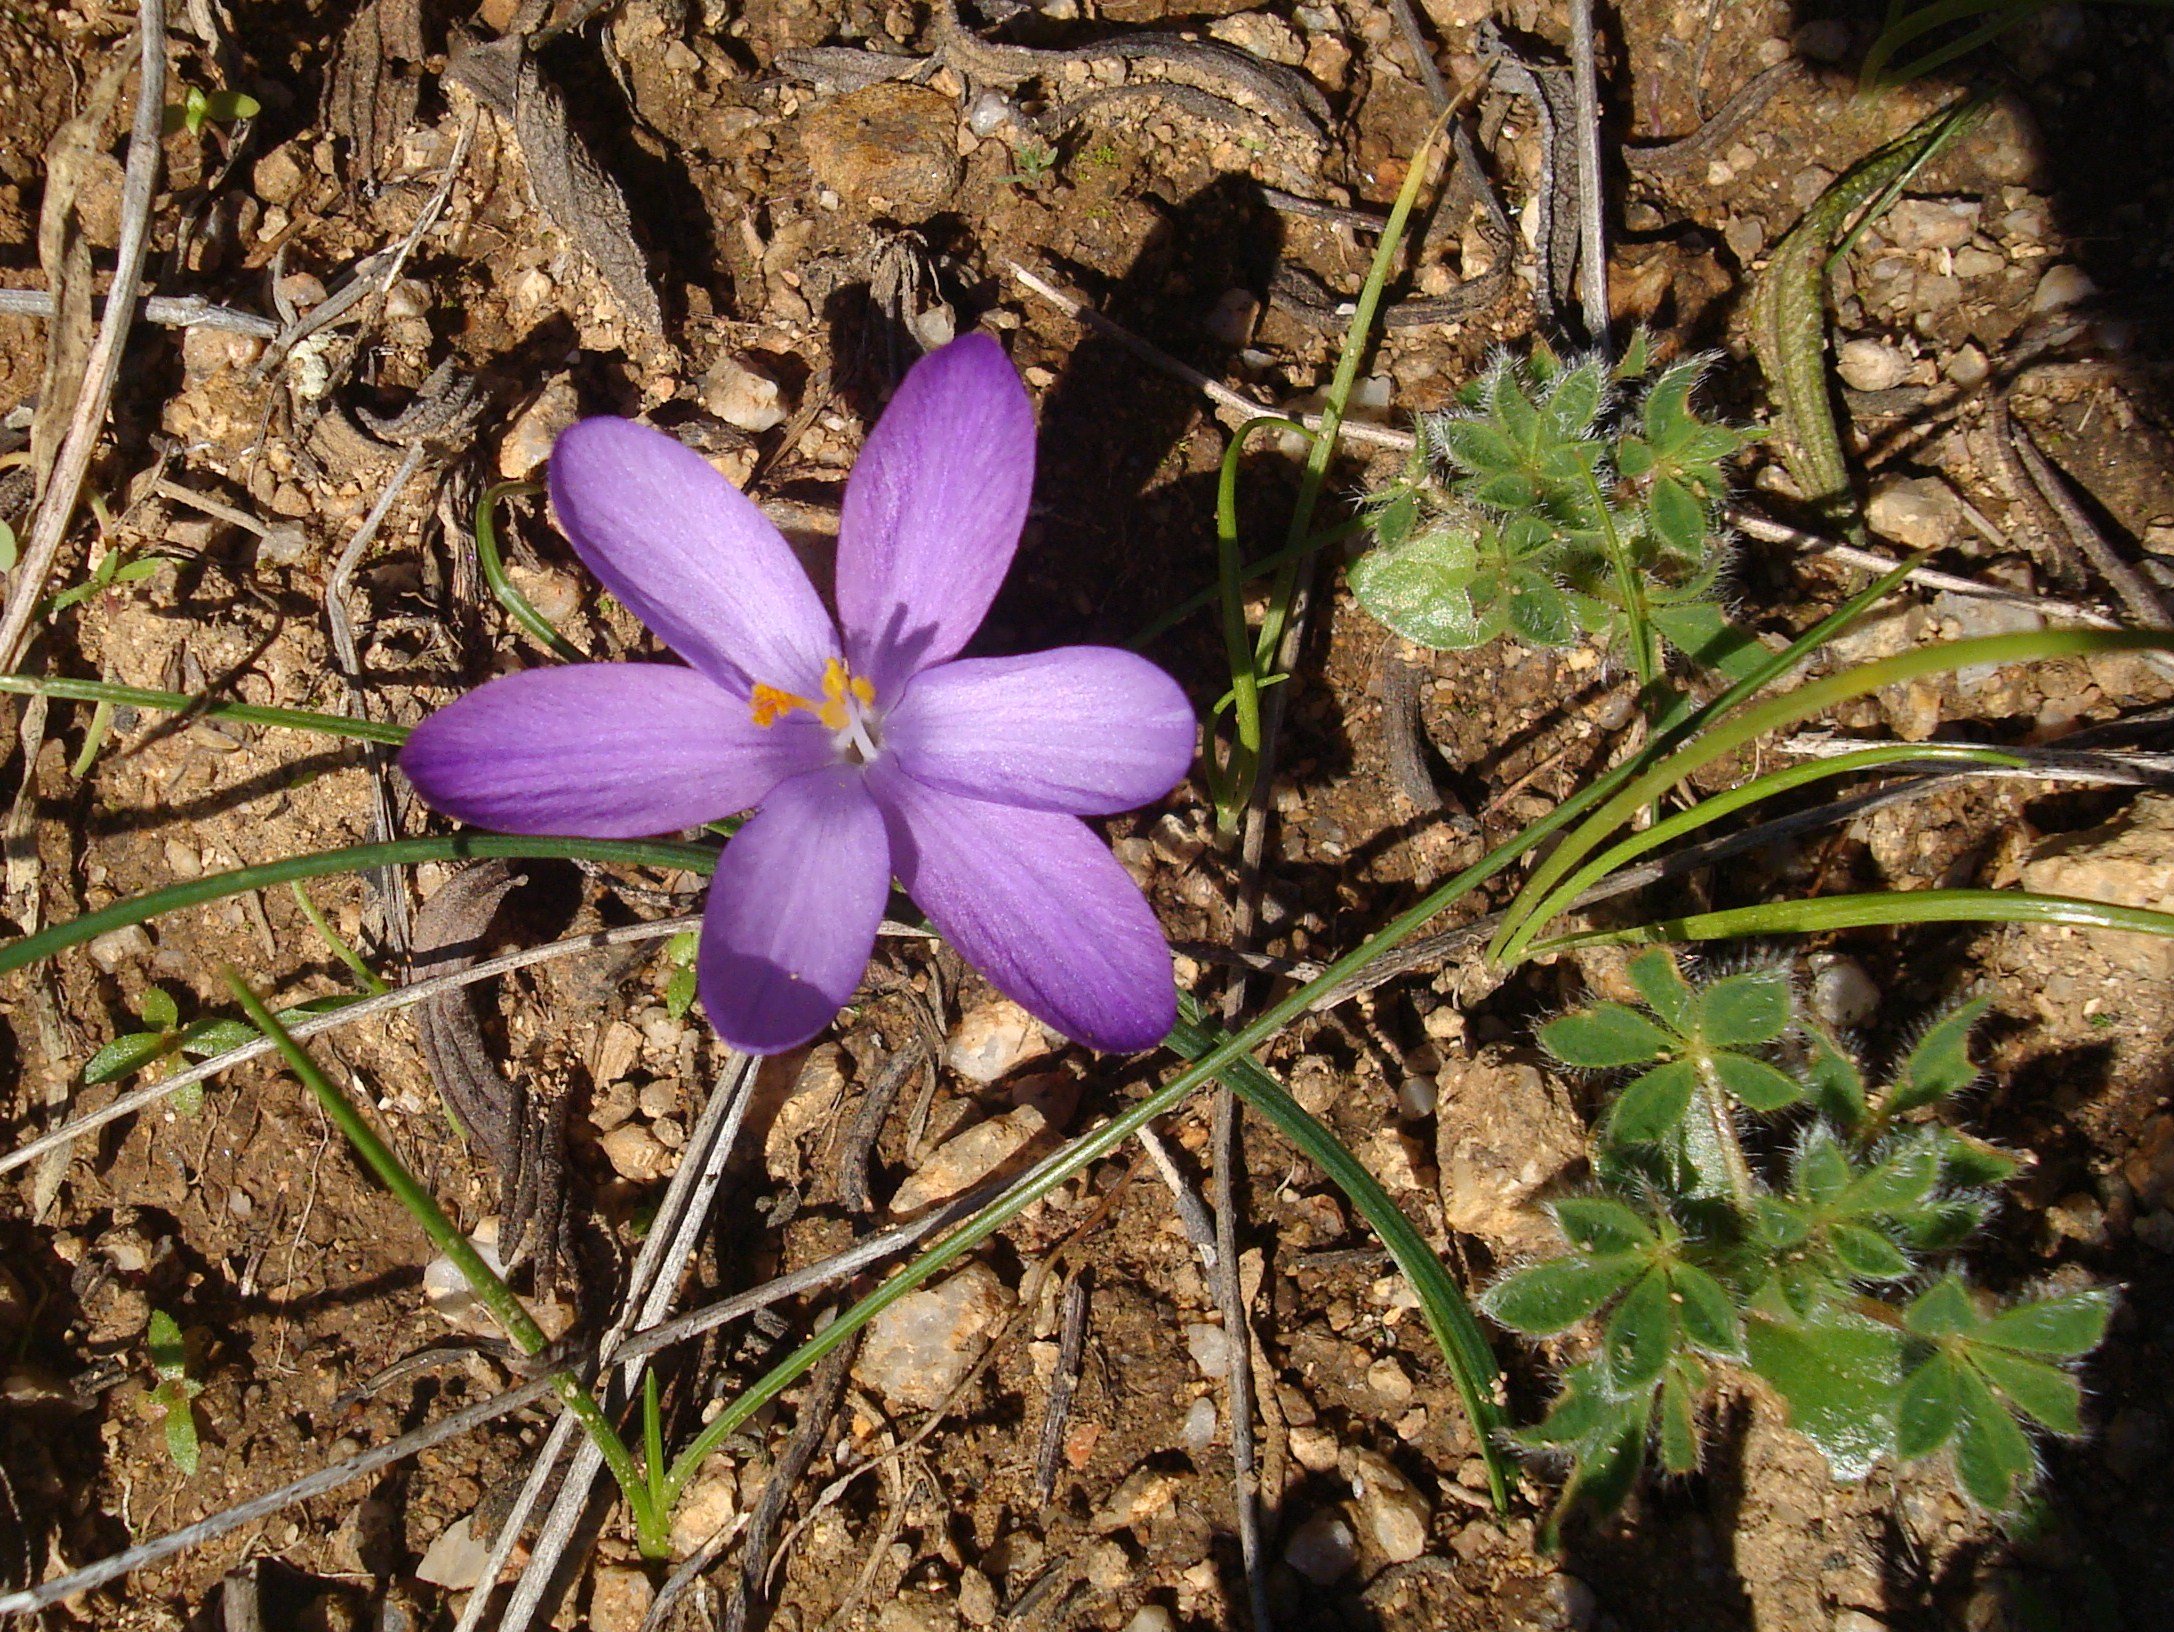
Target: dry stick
{"x":2135,"y":591}
{"x":1415,"y":41}
{"x":57,"y":508}
{"x":844,"y":1266}
{"x":1592,"y":223}
{"x":650,"y":1290}
{"x":400,"y":997}
{"x":1072,"y":1347}
{"x":168,"y":311}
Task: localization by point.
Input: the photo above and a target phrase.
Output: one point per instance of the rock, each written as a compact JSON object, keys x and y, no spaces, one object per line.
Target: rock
{"x":915,"y":1612}
{"x":741,"y":395}
{"x":279,"y":177}
{"x":2063,"y":286}
{"x":1871,"y":365}
{"x":1968,"y":367}
{"x":446,"y":1290}
{"x":1231,"y":319}
{"x":114,"y":948}
{"x":205,"y":352}
{"x":1151,"y":1618}
{"x":619,"y":1600}
{"x":1974,"y":262}
{"x":1505,"y":1132}
{"x":1391,"y":1508}
{"x":1930,"y":223}
{"x":1200,"y":1424}
{"x":1856,"y":1620}
{"x":1144,"y":1493}
{"x":635,"y":1154}
{"x":1210,"y":1350}
{"x":529,"y":439}
{"x":1005,"y":1141}
{"x":1387,"y":1379}
{"x":2149,"y":1167}
{"x":990,"y":112}
{"x":711,"y":1502}
{"x":1108,"y":1565}
{"x":976,"y":1597}
{"x":993,"y":1039}
{"x":455,"y":1560}
{"x":1415,"y":1097}
{"x":1322,"y":1549}
{"x":1918,"y":511}
{"x":2129,"y":859}
{"x":918,"y":1350}
{"x":1314,"y":1448}
{"x":814,"y":1096}
{"x":890,"y":149}
{"x":1843,"y":995}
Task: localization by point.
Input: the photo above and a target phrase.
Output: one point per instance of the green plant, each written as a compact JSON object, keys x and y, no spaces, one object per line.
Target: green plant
{"x":1032,"y":164}
{"x":114,"y":568}
{"x":175,"y":1392}
{"x":1561,"y":498}
{"x":679,"y":988}
{"x":1827,"y":1269}
{"x":164,"y":1040}
{"x":1919,"y":36}
{"x":198,"y":108}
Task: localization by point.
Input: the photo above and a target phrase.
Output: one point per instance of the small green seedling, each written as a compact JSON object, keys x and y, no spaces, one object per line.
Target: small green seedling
{"x":1827,"y":1271}
{"x":198,"y":108}
{"x":175,"y":1392}
{"x":1560,"y":499}
{"x":679,"y":990}
{"x":164,"y":1041}
{"x":1032,"y":164}
{"x":114,"y":569}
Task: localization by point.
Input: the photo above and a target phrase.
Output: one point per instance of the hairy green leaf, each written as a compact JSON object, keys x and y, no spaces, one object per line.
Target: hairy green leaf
{"x":1678,"y":1423}
{"x":1866,"y":1254}
{"x":1839,"y":1376}
{"x":1746,"y":1010}
{"x":1943,"y":1309}
{"x":1822,"y":1171}
{"x":1832,"y":1080}
{"x":1704,"y":1308}
{"x":1940,"y":1063}
{"x":2036,"y":1389}
{"x":1605,"y":1036}
{"x":1930,"y":1407}
{"x":1993,"y":1456}
{"x":1421,"y":589}
{"x":1548,"y":1297}
{"x":2063,"y":1327}
{"x":1661,"y":984}
{"x":1755,"y":1084}
{"x":1653,"y":1107}
{"x":127,"y":1053}
{"x":1640,"y":1334}
{"x":1601,"y":1224}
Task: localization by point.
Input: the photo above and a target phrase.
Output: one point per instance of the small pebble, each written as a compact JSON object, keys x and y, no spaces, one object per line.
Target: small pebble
{"x":741,"y":395}
{"x":1843,"y":995}
{"x":1415,"y":1097}
{"x":994,"y":1038}
{"x":918,"y":1350}
{"x":1144,"y":1493}
{"x":1393,"y":1510}
{"x":1968,"y":367}
{"x":712,"y":1501}
{"x":1918,"y":511}
{"x":990,"y":113}
{"x":1151,"y":1618}
{"x":635,"y":1153}
{"x":1322,"y":1549}
{"x":114,"y":948}
{"x":1210,"y":1349}
{"x":1871,"y":365}
{"x":1231,"y":319}
{"x":1856,"y":1620}
{"x":1929,"y":223}
{"x":1109,"y":1566}
{"x":1314,"y":1448}
{"x":620,"y":1599}
{"x":455,"y":1560}
{"x":2062,"y":287}
{"x":1200,"y":1423}
{"x":528,"y":440}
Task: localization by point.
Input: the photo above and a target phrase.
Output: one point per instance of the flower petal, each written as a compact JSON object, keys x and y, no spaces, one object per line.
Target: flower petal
{"x":603,"y":750}
{"x":793,"y":911}
{"x":1036,"y":902}
{"x":691,"y":556}
{"x":933,"y":511}
{"x":1085,"y":729}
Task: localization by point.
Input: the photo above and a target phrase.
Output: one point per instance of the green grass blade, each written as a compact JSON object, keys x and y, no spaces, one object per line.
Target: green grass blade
{"x":1823,"y":914}
{"x":356,"y":858}
{"x":175,"y":702}
{"x":517,"y":605}
{"x":1449,"y":1317}
{"x":1727,"y":803}
{"x":1725,"y":736}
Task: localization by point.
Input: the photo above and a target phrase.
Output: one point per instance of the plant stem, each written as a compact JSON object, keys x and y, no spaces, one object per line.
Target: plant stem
{"x":489,"y":1288}
{"x":522,"y":610}
{"x":175,"y":702}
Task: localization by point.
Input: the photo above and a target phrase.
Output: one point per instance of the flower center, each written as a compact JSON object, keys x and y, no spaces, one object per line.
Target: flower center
{"x":847,"y":710}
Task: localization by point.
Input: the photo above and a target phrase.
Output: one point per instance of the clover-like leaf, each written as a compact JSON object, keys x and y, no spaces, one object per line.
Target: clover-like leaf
{"x":1930,"y":1407}
{"x":1555,"y":1294}
{"x":1421,"y":588}
{"x":1677,"y":518}
{"x":1839,"y":1375}
{"x":1640,"y":1334}
{"x":1653,"y":1107}
{"x":1705,"y":1310}
{"x":2034,"y":1388}
{"x":1601,"y":1224}
{"x":1755,"y":1084}
{"x":1940,"y":1063}
{"x":1604,"y":1037}
{"x":2064,"y":1327}
{"x":1833,"y":1081}
{"x":1575,"y":400}
{"x":1943,"y":1309}
{"x":1993,"y":1456}
{"x":1822,"y":1172}
{"x":1746,"y":1010}
{"x":1676,"y":1417}
{"x":1661,"y":985}
{"x":1867,"y":1254}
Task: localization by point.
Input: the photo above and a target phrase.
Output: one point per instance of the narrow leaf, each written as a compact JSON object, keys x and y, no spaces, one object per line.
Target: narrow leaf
{"x":1746,"y":1010}
{"x":1652,"y":1108}
{"x":1641,"y":1334}
{"x":1548,"y":1297}
{"x":1993,"y":1456}
{"x":1605,"y":1036}
{"x":2064,"y":1327}
{"x":1940,"y":1063}
{"x":1709,"y":1318}
{"x":1867,"y":1254}
{"x":1678,"y":1424}
{"x":1755,"y":1084}
{"x":131,"y":1051}
{"x":181,"y":1442}
{"x":1602,"y":1225}
{"x":1832,"y":1081}
{"x":2045,"y":1393}
{"x":1929,"y":1409}
{"x":169,"y":1353}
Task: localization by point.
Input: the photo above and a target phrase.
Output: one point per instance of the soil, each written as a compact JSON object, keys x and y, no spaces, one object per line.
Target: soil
{"x":820,"y":237}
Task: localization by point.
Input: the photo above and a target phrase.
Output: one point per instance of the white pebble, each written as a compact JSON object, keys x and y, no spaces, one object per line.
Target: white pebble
{"x":1151,"y":1618}
{"x":2063,"y":286}
{"x":743,"y":397}
{"x":1322,"y":1549}
{"x":991,"y":112}
{"x":1210,"y":1347}
{"x":1415,"y":1097}
{"x":1843,"y":995}
{"x":1200,"y":1420}
{"x":1871,"y":365}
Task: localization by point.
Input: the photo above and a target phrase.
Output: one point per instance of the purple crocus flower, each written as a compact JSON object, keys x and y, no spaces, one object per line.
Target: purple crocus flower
{"x":866,"y":746}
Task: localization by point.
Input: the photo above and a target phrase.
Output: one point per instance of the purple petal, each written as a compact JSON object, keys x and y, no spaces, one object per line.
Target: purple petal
{"x":691,"y":556}
{"x":793,"y":911}
{"x":1085,"y":729}
{"x":933,"y":511}
{"x":603,"y":750}
{"x":1037,"y":903}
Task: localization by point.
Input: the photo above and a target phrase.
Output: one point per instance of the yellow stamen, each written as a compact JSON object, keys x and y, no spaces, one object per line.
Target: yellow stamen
{"x":769,"y":704}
